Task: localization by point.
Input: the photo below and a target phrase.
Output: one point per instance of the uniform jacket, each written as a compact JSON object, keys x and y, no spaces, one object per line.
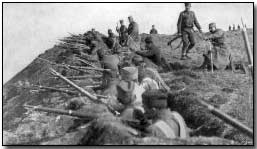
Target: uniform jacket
{"x":133,"y":31}
{"x":153,"y":31}
{"x":187,"y":19}
{"x":153,"y":53}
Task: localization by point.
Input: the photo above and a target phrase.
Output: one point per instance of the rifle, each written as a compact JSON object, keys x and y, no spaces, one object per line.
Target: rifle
{"x":229,"y":120}
{"x":87,"y":63}
{"x":81,"y":77}
{"x":173,"y":39}
{"x":83,"y":116}
{"x":93,"y":98}
{"x":63,"y":65}
{"x":56,"y":89}
{"x":248,"y":48}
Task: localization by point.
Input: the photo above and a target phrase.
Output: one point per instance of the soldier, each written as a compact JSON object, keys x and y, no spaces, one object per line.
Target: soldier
{"x":229,"y":28}
{"x":153,"y":53}
{"x":162,"y":122}
{"x":111,"y":40}
{"x":110,"y":62}
{"x":146,"y":76}
{"x":153,"y":30}
{"x":238,"y":27}
{"x":123,"y":33}
{"x":186,"y":22}
{"x":219,"y":50}
{"x":129,"y":92}
{"x":234,"y":27}
{"x":133,"y":30}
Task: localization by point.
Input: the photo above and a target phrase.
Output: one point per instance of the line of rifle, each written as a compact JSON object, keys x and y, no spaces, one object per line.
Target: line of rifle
{"x":81,"y":77}
{"x":84,"y":116}
{"x":86,"y":62}
{"x":56,"y":89}
{"x":77,"y":68}
{"x":93,"y":98}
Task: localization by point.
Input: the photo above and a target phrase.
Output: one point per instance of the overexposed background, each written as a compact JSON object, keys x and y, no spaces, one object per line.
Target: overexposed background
{"x":30,"y":29}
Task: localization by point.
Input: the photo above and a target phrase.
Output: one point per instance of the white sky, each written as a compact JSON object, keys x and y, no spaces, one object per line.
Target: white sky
{"x":30,"y":29}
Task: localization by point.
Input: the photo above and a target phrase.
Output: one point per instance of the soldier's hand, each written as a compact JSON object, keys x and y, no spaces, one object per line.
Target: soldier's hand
{"x":200,"y":30}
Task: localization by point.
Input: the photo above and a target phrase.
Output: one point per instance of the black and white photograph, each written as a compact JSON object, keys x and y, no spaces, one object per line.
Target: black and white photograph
{"x":128,"y":74}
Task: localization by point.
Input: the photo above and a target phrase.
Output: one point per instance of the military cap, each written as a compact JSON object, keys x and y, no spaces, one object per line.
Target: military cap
{"x":110,"y":62}
{"x":129,"y":73}
{"x":125,"y":92}
{"x":148,"y":39}
{"x":121,"y":21}
{"x":155,"y":99}
{"x":187,"y":4}
{"x":130,"y":17}
{"x":212,"y":25}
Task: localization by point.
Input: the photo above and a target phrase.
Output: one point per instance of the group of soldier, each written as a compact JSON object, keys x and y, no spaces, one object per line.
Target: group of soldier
{"x":134,"y":88}
{"x":137,"y":90}
{"x":230,"y":28}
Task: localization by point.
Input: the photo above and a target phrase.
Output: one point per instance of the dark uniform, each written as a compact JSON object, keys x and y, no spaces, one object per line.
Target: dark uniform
{"x":186,"y":22}
{"x":111,"y":40}
{"x":133,"y":31}
{"x":123,"y":34}
{"x":153,"y":53}
{"x":229,"y":28}
{"x":153,"y":31}
{"x":219,"y":50}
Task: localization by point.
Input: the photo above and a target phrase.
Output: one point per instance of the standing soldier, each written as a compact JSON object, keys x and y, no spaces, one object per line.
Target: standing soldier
{"x":219,"y":51}
{"x":186,"y":22}
{"x":153,"y":30}
{"x":238,"y":27}
{"x":234,"y":27}
{"x":133,"y":30}
{"x":229,"y":28}
{"x":123,"y":33}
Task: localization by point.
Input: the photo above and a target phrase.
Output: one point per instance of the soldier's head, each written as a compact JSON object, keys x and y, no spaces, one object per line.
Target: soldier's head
{"x":212,"y":27}
{"x":121,"y":22}
{"x":93,"y":30}
{"x":148,"y":41}
{"x":137,"y":60}
{"x":154,"y":99}
{"x":153,"y":26}
{"x":109,"y":31}
{"x":130,"y":18}
{"x":187,"y":6}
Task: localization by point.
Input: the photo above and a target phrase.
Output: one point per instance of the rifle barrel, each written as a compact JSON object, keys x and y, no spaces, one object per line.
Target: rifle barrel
{"x":229,"y":120}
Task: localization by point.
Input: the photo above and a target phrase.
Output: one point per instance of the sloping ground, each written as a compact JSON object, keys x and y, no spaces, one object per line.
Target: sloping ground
{"x":226,"y":90}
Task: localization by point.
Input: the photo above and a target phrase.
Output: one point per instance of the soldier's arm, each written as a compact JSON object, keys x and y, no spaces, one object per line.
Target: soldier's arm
{"x":145,"y":53}
{"x":179,"y":23}
{"x":219,"y":33}
{"x":197,"y":24}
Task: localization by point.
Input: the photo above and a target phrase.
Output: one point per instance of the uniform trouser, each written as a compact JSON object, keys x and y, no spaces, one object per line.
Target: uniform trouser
{"x":188,"y":40}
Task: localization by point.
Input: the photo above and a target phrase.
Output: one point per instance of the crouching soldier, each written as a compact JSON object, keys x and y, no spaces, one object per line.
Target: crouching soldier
{"x":220,"y":53}
{"x":153,"y":53}
{"x":129,"y":92}
{"x":163,"y":122}
{"x":146,"y":76}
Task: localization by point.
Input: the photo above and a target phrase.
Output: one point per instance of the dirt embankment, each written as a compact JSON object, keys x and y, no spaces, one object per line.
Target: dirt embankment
{"x":225,"y":90}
